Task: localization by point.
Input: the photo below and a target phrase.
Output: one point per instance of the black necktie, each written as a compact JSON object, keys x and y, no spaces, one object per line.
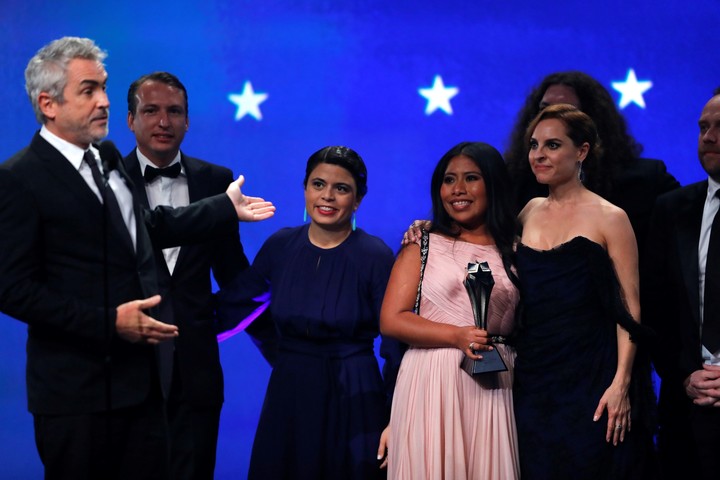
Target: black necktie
{"x":107,"y":194}
{"x":151,"y":173}
{"x":711,"y":313}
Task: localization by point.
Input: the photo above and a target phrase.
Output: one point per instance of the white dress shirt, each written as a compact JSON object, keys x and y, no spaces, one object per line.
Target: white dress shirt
{"x":74,"y":155}
{"x":166,"y":191}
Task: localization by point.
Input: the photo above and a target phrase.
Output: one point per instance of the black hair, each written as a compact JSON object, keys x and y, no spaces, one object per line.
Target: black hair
{"x":162,"y":77}
{"x":619,"y":147}
{"x":500,"y":218}
{"x":344,"y":157}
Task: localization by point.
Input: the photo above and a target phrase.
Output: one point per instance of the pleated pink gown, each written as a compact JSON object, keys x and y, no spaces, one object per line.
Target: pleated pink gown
{"x":446,"y":424}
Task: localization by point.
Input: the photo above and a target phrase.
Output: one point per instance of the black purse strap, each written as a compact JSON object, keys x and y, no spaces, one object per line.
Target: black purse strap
{"x":424,"y":245}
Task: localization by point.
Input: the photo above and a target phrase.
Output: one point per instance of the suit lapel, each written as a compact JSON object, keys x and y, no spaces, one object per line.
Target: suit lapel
{"x":197,"y":175}
{"x":64,"y":173}
{"x":688,"y":236}
{"x":62,"y":170}
{"x":132,"y":167}
{"x":134,"y":174}
{"x":198,"y":178}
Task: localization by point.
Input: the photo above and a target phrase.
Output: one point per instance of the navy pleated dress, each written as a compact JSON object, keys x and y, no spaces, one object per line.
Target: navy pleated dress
{"x":326,"y":402}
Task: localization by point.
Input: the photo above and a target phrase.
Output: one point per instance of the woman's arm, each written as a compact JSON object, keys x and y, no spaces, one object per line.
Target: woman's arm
{"x":622,"y":249}
{"x":398,"y":320}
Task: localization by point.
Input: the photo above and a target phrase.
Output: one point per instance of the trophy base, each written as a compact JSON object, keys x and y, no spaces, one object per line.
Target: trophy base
{"x":491,"y":362}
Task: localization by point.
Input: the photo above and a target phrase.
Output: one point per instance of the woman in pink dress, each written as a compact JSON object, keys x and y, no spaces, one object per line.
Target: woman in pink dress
{"x":446,"y":423}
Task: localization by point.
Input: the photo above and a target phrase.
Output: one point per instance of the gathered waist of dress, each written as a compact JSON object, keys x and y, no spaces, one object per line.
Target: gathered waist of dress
{"x":327,"y":347}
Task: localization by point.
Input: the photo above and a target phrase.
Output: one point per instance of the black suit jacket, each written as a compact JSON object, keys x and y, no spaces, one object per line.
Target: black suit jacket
{"x":669,"y":288}
{"x":189,"y":288}
{"x":51,"y":277}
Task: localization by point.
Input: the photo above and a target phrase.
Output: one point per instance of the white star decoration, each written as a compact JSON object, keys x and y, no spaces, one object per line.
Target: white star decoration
{"x":631,"y":91}
{"x":438,"y":96}
{"x":248,"y":102}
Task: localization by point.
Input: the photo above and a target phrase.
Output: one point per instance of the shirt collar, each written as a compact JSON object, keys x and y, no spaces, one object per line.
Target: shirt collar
{"x":713,"y":187}
{"x":71,"y":152}
{"x":144,"y":162}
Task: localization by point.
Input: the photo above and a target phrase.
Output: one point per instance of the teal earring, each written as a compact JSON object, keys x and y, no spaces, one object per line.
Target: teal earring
{"x":354,"y":222}
{"x":305,"y":215}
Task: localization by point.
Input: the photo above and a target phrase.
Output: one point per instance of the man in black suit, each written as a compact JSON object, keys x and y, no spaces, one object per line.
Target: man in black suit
{"x":678,"y":288}
{"x":77,"y":266}
{"x":158,"y":116}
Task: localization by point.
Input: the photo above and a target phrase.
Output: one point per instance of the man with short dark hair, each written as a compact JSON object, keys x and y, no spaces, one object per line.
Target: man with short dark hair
{"x":158,"y":116}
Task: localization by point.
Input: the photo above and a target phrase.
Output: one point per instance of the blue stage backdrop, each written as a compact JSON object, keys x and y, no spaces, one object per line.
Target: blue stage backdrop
{"x":401,"y":82}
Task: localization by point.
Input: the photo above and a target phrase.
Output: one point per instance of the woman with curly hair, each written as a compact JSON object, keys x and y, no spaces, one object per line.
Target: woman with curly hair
{"x":620,"y":175}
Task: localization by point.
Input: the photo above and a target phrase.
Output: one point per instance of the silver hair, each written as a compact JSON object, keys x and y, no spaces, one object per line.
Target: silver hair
{"x":47,"y":70}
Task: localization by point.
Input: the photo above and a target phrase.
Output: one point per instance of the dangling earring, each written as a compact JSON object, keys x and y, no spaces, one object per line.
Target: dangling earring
{"x":305,"y":215}
{"x":581,"y":174}
{"x":354,"y":222}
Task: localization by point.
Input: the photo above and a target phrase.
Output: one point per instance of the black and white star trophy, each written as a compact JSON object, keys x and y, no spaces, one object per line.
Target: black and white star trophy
{"x":479,"y":283}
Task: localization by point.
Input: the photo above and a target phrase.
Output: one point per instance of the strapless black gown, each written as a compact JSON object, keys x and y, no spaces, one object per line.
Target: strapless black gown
{"x":566,"y":359}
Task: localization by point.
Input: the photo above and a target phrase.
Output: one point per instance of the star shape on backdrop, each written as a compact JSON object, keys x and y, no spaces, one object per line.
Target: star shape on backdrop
{"x":248,"y":102}
{"x":438,"y":96}
{"x":631,"y":90}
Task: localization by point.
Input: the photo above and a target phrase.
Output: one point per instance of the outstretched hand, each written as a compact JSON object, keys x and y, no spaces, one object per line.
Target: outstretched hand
{"x":249,"y":209}
{"x":133,"y":325}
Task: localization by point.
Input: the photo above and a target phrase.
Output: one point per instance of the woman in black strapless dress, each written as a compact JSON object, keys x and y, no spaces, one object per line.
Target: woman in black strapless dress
{"x":576,"y":390}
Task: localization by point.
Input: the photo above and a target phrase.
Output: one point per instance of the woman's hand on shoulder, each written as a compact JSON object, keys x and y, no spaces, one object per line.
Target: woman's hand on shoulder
{"x":414,"y":232}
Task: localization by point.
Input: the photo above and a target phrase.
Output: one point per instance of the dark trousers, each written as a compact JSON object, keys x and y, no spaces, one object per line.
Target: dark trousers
{"x":124,"y":444}
{"x":193,"y":433}
{"x":689,"y":437}
{"x":705,"y":424}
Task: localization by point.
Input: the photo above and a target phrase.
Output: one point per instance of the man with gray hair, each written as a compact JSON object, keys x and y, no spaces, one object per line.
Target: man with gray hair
{"x":77,"y":266}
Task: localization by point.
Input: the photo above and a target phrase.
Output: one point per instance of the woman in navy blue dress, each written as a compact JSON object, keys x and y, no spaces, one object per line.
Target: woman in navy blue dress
{"x":326,"y":402}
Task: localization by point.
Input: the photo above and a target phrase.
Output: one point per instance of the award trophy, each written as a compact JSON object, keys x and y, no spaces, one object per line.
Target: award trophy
{"x":479,"y":283}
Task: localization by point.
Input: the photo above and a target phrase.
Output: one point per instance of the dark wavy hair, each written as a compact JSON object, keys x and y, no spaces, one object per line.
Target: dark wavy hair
{"x":500,"y":217}
{"x":619,"y":147}
{"x":344,"y":157}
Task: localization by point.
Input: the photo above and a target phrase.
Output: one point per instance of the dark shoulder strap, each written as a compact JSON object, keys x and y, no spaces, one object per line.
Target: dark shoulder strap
{"x":424,"y":241}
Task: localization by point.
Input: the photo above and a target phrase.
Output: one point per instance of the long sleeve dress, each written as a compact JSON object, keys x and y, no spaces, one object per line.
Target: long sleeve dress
{"x":326,"y":403}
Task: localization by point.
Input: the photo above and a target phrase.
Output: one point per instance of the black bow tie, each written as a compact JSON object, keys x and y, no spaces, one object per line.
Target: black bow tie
{"x":151,"y":173}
